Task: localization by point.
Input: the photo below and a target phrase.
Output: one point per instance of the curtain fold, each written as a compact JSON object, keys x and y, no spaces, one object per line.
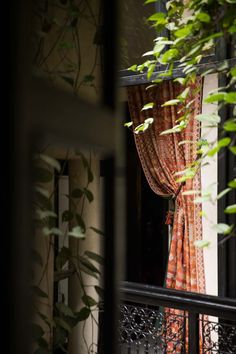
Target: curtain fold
{"x":161,"y":157}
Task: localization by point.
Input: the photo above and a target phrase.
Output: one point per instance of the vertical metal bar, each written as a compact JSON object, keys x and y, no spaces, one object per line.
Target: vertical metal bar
{"x":193,"y":332}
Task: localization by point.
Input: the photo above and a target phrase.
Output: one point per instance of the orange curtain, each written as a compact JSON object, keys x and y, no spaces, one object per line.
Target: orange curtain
{"x":161,"y":157}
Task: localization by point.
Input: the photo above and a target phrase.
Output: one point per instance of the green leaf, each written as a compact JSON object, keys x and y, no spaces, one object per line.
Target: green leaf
{"x":43,"y":214}
{"x":62,"y":323}
{"x":233,"y":149}
{"x":183,"y":32}
{"x":62,"y":257}
{"x":141,"y":128}
{"x":230,"y":125}
{"x":133,"y":67}
{"x":64,"y":309}
{"x":88,"y":271}
{"x":88,"y":301}
{"x":231,"y":209}
{"x":147,"y":106}
{"x":44,"y":192}
{"x":158,"y":17}
{"x":50,"y":161}
{"x":169,"y":55}
{"x":230,"y":97}
{"x":202,"y":199}
{"x":149,"y":120}
{"x":99,"y":291}
{"x":180,"y":80}
{"x":171,"y":102}
{"x":42,"y":175}
{"x":94,"y":256}
{"x":83,"y":314}
{"x":149,"y":1}
{"x":215,"y":97}
{"x":68,"y":80}
{"x":86,"y":263}
{"x":77,"y":232}
{"x":209,"y":118}
{"x":36,"y":331}
{"x":224,"y":192}
{"x":97,"y":230}
{"x":232,"y":183}
{"x":203,"y":17}
{"x":224,"y":142}
{"x":128,"y":124}
{"x":80,"y":222}
{"x":53,"y":231}
{"x":150,"y":71}
{"x":67,"y":215}
{"x":184,"y":94}
{"x":88,"y":194}
{"x":233,"y":71}
{"x":77,"y":193}
{"x":37,"y":291}
{"x":223,"y":228}
{"x":202,"y":243}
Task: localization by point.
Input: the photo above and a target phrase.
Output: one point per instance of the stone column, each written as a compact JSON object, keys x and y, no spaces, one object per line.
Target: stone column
{"x":85,"y":334}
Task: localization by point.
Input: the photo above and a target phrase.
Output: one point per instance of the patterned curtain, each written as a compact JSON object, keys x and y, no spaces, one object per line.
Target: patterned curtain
{"x":161,"y":157}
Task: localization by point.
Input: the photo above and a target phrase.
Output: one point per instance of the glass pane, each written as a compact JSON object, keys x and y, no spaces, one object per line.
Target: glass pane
{"x":136,"y":35}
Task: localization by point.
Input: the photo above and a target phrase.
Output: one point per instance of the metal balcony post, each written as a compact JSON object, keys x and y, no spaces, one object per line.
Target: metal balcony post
{"x":193,"y":332}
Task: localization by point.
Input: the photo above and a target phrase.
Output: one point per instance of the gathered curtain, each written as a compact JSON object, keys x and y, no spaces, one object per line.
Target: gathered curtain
{"x":162,"y":157}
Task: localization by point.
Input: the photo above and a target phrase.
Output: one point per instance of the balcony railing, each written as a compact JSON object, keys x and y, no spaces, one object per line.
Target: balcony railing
{"x":155,"y":320}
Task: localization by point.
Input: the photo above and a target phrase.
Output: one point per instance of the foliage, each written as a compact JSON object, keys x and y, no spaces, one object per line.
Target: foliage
{"x":195,"y":28}
{"x":63,"y":56}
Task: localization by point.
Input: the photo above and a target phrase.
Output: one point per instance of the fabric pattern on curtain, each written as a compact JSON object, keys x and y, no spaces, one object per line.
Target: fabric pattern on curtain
{"x":161,"y":157}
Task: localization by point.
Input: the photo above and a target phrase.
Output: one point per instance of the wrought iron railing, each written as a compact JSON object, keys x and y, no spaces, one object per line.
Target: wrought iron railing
{"x":155,"y":320}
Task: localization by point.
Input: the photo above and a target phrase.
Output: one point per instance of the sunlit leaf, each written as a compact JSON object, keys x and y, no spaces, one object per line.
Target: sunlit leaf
{"x":209,"y":118}
{"x":53,"y":231}
{"x":230,"y":97}
{"x":223,"y":228}
{"x":203,"y":17}
{"x":224,"y":192}
{"x":233,"y":149}
{"x":215,"y":97}
{"x":128,"y":124}
{"x":50,"y":161}
{"x":77,"y":232}
{"x":202,"y":243}
{"x":171,"y":102}
{"x":232,"y":183}
{"x":230,"y":125}
{"x":147,"y":106}
{"x":231,"y":209}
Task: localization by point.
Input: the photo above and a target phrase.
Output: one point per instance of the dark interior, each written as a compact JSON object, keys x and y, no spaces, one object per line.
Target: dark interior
{"x":146,"y":233}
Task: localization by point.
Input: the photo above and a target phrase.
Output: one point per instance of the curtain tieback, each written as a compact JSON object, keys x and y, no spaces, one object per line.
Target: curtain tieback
{"x":169,"y":217}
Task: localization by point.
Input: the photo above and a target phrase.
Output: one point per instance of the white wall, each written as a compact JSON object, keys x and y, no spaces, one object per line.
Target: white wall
{"x":208,"y":177}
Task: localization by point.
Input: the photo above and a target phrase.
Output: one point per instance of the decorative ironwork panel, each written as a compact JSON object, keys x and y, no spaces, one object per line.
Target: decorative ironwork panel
{"x":219,"y":337}
{"x":150,"y":330}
